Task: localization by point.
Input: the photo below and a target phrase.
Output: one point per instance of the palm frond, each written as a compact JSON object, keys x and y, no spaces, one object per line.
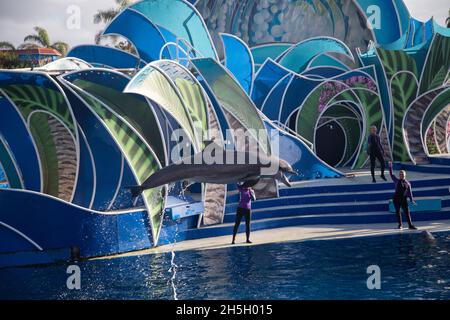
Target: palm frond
{"x":105,"y":16}
{"x":123,"y":3}
{"x":43,"y":35}
{"x":7,"y":45}
{"x":28,"y":45}
{"x":32,"y":38}
{"x":62,"y":47}
{"x":447,"y":21}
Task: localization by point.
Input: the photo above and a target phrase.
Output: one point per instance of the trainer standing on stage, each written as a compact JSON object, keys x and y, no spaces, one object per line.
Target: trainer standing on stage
{"x":376,"y":152}
{"x":403,"y":192}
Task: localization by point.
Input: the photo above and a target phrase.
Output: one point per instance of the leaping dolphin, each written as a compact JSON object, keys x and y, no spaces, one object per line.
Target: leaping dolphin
{"x":196,"y":170}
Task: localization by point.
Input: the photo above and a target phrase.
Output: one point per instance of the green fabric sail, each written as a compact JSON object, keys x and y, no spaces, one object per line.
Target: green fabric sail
{"x":401,"y":73}
{"x":233,"y":99}
{"x":141,"y":158}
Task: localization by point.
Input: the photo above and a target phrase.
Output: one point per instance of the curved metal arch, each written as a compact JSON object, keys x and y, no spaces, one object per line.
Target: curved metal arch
{"x":74,"y":89}
{"x":321,"y":67}
{"x":116,"y":115}
{"x":22,"y":235}
{"x":300,"y":107}
{"x":134,"y":11}
{"x":137,"y":55}
{"x":435,"y":138}
{"x":190,"y":131}
{"x":192,"y":78}
{"x":391,"y":116}
{"x":13,"y":160}
{"x":249,"y":100}
{"x":197,"y":13}
{"x":5,"y":180}
{"x":207,"y":85}
{"x":286,"y":44}
{"x":180,"y":96}
{"x":41,"y":172}
{"x":299,"y":44}
{"x":61,"y":91}
{"x":91,"y":211}
{"x":273,"y":124}
{"x":347,"y":104}
{"x":431,"y":122}
{"x":45,"y":67}
{"x":119,"y":184}
{"x":330,"y":105}
{"x":319,"y":81}
{"x":308,"y":67}
{"x":246,"y":47}
{"x":53,"y":116}
{"x":94,"y":169}
{"x":178,"y":47}
{"x":442,"y":144}
{"x":333,"y":79}
{"x":272,"y":90}
{"x":405,"y":131}
{"x":75,"y":142}
{"x":444,"y":91}
{"x":69,"y":107}
{"x":363,"y":113}
{"x":139,"y":60}
{"x":122,"y":75}
{"x":392,"y":105}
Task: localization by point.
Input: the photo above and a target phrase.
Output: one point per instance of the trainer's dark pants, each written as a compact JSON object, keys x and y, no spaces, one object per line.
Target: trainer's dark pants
{"x":374,"y":156}
{"x":241,"y":212}
{"x":402,"y":204}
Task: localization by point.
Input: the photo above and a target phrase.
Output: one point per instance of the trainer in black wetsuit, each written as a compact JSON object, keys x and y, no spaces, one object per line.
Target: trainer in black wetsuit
{"x":403,"y":191}
{"x":376,"y":152}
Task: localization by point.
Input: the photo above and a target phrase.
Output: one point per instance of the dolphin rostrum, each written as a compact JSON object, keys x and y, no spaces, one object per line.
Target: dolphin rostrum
{"x":228,"y":167}
{"x":427,"y":237}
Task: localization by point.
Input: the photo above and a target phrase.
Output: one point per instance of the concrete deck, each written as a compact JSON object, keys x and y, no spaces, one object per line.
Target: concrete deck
{"x":292,"y":234}
{"x":311,"y":232}
{"x":364,"y":177}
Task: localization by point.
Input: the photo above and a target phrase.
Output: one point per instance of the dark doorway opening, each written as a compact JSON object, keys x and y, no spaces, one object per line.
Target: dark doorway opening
{"x":330,"y":143}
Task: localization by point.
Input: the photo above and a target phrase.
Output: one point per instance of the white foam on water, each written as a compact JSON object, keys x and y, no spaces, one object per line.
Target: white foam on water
{"x":173,"y":266}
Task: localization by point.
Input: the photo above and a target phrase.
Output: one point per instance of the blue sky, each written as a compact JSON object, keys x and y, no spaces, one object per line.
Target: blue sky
{"x":424,"y":9}
{"x":18,"y":17}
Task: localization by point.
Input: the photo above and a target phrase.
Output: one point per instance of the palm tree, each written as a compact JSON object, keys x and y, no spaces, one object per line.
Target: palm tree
{"x":4,"y":45}
{"x":42,"y":39}
{"x":105,"y":16}
{"x":447,"y":21}
{"x":8,"y":57}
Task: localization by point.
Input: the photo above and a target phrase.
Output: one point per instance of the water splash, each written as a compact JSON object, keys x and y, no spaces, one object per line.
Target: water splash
{"x":173,"y":266}
{"x":173,"y":270}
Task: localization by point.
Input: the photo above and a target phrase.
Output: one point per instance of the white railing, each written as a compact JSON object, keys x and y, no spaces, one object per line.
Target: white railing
{"x":292,"y":132}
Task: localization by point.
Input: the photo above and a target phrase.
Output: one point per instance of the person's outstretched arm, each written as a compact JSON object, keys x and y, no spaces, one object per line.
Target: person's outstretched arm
{"x":393,"y":177}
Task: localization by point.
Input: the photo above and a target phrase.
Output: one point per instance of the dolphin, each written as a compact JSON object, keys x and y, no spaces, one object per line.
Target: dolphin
{"x":427,"y":237}
{"x":226,"y":169}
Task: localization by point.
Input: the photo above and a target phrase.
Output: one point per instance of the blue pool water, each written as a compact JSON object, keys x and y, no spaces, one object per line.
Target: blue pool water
{"x":410,"y":269}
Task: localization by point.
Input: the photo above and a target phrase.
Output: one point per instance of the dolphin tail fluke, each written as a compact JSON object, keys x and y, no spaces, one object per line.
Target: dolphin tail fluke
{"x":135,"y":191}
